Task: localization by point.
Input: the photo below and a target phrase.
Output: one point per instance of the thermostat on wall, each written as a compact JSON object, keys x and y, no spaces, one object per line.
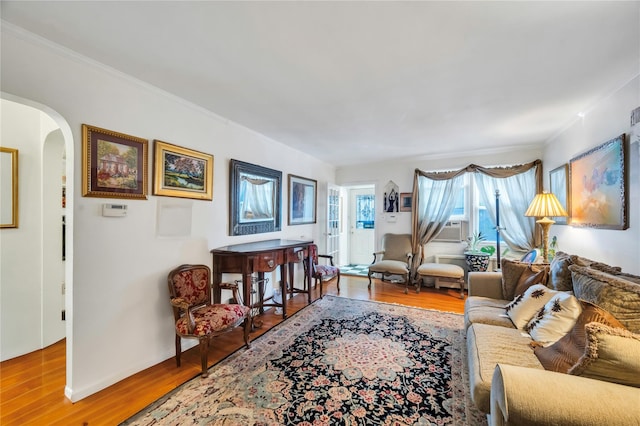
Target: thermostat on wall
{"x":114,"y":210}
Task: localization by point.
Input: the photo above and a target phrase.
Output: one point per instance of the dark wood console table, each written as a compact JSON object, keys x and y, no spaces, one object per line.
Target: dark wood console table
{"x":260,"y":257}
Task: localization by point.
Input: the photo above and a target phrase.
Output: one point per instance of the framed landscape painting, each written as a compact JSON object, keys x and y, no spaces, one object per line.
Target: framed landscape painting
{"x":598,"y":186}
{"x":302,"y":200}
{"x":182,"y":172}
{"x":114,"y":164}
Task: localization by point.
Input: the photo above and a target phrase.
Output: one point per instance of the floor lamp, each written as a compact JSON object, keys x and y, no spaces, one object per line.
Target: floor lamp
{"x":545,"y":205}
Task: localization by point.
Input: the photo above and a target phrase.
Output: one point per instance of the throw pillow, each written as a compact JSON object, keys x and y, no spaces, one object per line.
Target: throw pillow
{"x":512,"y":270}
{"x":566,"y":352}
{"x":555,"y":319}
{"x":611,"y":354}
{"x":525,"y":306}
{"x":616,"y":294}
{"x":559,"y":274}
{"x":530,"y":277}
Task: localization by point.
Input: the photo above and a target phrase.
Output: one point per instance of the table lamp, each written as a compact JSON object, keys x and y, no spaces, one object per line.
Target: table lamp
{"x":544,"y":205}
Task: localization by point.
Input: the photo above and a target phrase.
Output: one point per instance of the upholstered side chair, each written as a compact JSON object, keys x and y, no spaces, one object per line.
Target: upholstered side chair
{"x":196,"y":317}
{"x":394,"y":258}
{"x":322,"y":271}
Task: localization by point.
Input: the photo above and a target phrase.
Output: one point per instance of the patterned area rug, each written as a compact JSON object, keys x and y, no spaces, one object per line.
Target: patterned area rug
{"x":337,"y":361}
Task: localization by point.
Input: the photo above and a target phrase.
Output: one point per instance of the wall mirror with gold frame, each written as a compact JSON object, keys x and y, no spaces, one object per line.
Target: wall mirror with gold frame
{"x":8,"y":187}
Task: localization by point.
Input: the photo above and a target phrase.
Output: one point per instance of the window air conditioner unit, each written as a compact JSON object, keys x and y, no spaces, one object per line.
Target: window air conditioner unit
{"x":452,"y":232}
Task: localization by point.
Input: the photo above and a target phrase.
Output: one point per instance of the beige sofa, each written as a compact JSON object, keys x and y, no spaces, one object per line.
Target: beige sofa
{"x":507,"y":379}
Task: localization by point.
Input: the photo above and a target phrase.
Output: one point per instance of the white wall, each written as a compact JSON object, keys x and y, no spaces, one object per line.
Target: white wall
{"x":118,"y":306}
{"x":603,"y":122}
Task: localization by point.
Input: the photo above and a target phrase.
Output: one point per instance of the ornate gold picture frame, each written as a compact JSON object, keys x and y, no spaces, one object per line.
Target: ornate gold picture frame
{"x":114,"y":164}
{"x":182,"y":172}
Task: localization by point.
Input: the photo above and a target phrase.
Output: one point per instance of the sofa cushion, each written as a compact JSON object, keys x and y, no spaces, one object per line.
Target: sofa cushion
{"x":525,"y":306}
{"x":488,"y":345}
{"x":555,"y":319}
{"x":611,"y":354}
{"x":485,"y":310}
{"x":617,"y":294}
{"x":559,"y":274}
{"x":564,"y":353}
{"x":512,"y":270}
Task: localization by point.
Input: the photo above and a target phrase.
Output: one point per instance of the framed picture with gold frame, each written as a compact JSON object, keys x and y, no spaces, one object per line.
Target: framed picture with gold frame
{"x":8,"y":187}
{"x":182,"y":172}
{"x":114,"y":164}
{"x":598,"y":186}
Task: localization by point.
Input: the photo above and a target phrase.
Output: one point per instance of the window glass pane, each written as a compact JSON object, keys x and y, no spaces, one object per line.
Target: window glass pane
{"x":485,"y":225}
{"x":365,"y":210}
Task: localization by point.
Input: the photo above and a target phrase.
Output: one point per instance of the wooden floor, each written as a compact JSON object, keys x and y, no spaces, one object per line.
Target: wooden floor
{"x":32,"y":386}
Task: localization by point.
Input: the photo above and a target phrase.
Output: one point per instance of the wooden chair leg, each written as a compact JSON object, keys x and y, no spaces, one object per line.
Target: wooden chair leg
{"x":178,"y":350}
{"x":338,"y":281}
{"x":204,"y":352}
{"x":247,"y":329}
{"x":369,"y":275}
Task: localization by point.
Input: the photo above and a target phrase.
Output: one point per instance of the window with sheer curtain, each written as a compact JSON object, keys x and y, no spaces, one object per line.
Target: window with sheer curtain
{"x":437,"y":199}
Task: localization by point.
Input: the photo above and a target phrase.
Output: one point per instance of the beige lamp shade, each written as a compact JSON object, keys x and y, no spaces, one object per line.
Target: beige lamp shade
{"x":545,"y":204}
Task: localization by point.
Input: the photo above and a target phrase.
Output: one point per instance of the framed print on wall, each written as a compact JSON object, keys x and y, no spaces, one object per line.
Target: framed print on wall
{"x":114,"y":164}
{"x":405,"y":201}
{"x":182,"y":172}
{"x":302,"y":200}
{"x":598,"y":186}
{"x":559,"y":186}
{"x":8,"y":187}
{"x":255,"y":197}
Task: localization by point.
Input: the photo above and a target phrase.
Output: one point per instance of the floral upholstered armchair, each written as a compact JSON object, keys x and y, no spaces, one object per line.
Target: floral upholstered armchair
{"x":196,"y":317}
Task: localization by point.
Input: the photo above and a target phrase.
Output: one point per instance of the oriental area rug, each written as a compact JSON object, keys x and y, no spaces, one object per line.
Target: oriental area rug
{"x":336,"y":362}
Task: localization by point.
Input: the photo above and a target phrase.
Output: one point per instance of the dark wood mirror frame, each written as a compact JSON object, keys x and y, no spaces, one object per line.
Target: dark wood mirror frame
{"x":240,"y":223}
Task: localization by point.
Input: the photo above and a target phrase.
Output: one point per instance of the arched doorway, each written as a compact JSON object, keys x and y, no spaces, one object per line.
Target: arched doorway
{"x":32,"y":268}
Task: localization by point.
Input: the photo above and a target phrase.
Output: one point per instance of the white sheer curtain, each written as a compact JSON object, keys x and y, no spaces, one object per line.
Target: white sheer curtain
{"x":435,"y":200}
{"x":516,"y":192}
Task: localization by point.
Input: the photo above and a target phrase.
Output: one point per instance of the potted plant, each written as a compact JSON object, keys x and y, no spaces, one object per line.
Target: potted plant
{"x":478,"y":257}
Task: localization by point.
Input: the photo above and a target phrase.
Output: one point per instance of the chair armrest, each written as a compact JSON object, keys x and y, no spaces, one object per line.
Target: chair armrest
{"x":180,"y":303}
{"x":326,"y":256}
{"x":529,"y":396}
{"x":486,"y":284}
{"x":376,"y":254}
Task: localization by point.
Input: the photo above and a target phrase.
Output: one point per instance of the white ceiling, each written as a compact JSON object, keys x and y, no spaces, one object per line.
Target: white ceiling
{"x":356,"y":82}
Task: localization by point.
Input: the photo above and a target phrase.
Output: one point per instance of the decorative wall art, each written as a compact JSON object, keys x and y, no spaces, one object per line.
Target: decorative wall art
{"x":114,"y":164}
{"x":391,"y":199}
{"x":302,"y":200}
{"x":182,"y":172}
{"x":559,"y":186}
{"x":405,"y":201}
{"x":255,"y":199}
{"x":8,"y":187}
{"x":598,"y":186}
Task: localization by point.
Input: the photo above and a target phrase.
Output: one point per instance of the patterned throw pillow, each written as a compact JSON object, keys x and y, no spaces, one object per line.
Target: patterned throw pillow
{"x":525,"y":306}
{"x":617,"y":294}
{"x":611,"y":354}
{"x":555,"y":319}
{"x":566,"y":352}
{"x":512,"y":271}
